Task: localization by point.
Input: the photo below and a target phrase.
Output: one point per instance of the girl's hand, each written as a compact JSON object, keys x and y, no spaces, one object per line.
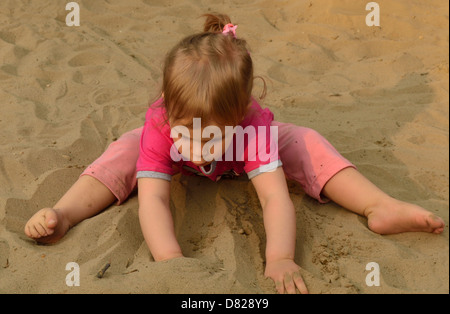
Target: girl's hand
{"x":286,"y":275}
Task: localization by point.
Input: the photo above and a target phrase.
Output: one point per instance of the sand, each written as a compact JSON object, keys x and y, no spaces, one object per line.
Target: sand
{"x":378,"y":94}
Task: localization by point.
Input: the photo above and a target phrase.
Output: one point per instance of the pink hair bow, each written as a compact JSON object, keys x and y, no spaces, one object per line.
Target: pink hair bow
{"x":230,"y":28}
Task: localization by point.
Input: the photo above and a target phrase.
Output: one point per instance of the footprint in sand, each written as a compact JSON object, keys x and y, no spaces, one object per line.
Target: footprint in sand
{"x":87,"y":58}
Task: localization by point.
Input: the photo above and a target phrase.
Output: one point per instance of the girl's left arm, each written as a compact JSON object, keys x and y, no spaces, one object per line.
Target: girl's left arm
{"x":280,"y":226}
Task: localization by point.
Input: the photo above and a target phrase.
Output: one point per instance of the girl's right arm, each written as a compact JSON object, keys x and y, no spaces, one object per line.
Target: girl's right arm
{"x":156,"y":219}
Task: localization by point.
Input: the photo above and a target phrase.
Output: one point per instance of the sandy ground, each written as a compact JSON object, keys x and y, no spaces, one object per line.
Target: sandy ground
{"x":378,"y":94}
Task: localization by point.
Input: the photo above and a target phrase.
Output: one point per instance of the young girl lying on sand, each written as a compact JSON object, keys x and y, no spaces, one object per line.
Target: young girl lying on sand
{"x":209,"y":76}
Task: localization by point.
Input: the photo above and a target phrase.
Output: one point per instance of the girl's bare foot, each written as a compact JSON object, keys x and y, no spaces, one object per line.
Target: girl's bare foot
{"x":394,"y":216}
{"x":86,"y":198}
{"x":47,"y":226}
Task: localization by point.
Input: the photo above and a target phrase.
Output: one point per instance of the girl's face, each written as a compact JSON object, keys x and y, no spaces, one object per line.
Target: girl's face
{"x":201,"y":145}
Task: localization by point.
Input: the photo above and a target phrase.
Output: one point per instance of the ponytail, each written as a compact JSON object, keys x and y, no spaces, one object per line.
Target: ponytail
{"x":215,"y":22}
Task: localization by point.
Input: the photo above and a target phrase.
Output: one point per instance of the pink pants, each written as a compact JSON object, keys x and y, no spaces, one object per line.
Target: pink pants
{"x":307,"y":158}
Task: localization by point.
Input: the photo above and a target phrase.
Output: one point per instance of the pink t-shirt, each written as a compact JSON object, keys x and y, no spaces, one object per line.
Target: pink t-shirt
{"x":255,"y":152}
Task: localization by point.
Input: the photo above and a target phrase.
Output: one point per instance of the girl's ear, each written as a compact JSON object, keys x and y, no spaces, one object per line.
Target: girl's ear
{"x":162,"y":94}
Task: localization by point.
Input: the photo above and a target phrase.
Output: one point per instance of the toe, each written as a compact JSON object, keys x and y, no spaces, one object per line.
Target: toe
{"x":435,"y":223}
{"x":27,"y":231}
{"x":42,"y":224}
{"x":41,"y":230}
{"x":51,"y":219}
{"x":34,"y":233}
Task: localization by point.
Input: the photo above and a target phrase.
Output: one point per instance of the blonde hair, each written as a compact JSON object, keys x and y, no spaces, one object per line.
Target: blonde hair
{"x":209,"y":76}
